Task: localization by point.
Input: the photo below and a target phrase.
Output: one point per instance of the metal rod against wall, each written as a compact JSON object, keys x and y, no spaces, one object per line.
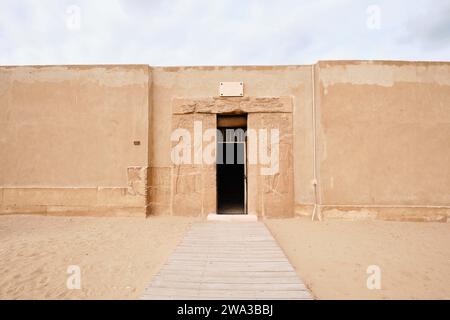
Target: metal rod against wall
{"x":316,"y":206}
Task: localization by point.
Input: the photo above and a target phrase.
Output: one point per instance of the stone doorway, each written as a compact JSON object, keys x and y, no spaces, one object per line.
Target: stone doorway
{"x":231,"y":164}
{"x":192,"y":189}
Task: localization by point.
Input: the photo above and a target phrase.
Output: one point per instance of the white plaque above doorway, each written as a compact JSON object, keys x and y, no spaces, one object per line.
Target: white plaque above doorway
{"x":231,"y":89}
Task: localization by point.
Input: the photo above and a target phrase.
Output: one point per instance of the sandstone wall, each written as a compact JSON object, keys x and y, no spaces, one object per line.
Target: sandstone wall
{"x":68,"y":133}
{"x":67,"y":139}
{"x":384,"y":139}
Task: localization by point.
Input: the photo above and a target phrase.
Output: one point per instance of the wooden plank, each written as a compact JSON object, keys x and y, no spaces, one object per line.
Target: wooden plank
{"x":238,"y":268}
{"x":235,"y":279}
{"x":219,"y":258}
{"x":226,"y":255}
{"x":221,"y":273}
{"x":163,"y":283}
{"x":155,"y":297}
{"x":206,"y":293}
{"x":223,"y":265}
{"x":229,"y":251}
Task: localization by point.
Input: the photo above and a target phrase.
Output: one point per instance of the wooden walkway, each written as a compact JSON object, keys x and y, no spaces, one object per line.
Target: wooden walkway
{"x":227,"y":260}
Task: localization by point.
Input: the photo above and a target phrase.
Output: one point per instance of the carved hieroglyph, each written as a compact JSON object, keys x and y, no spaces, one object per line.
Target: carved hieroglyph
{"x":272,"y":195}
{"x":193,"y":185}
{"x":137,"y":181}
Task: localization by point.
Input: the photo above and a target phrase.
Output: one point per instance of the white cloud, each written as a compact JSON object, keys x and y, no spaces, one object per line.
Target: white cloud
{"x":201,"y":32}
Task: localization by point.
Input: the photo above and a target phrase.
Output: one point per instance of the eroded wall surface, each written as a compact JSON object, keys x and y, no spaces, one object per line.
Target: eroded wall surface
{"x":67,"y":139}
{"x":384,"y":139}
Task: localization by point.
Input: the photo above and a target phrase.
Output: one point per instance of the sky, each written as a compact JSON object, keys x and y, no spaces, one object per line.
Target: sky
{"x":216,"y":32}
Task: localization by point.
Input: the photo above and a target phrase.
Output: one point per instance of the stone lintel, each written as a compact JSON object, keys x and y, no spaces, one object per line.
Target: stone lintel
{"x":236,"y":105}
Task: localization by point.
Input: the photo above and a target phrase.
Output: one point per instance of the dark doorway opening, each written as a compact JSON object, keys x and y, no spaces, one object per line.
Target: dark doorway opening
{"x":231,"y":165}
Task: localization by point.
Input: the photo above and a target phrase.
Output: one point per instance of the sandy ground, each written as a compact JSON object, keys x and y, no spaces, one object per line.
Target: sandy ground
{"x":117,"y":256}
{"x":332,"y":257}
